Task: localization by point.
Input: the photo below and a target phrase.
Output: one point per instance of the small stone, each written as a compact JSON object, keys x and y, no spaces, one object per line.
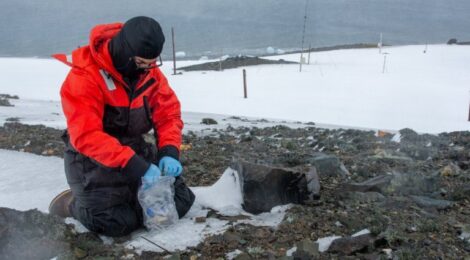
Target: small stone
{"x":465,"y":233}
{"x":461,"y":193}
{"x":329,"y":165}
{"x":411,"y":229}
{"x":376,"y":184}
{"x":388,"y":252}
{"x":200,"y":219}
{"x":426,"y":202}
{"x":208,"y":121}
{"x":255,"y":250}
{"x":243,"y":256}
{"x":48,"y":152}
{"x":79,"y":253}
{"x":231,"y":237}
{"x":450,"y":170}
{"x":173,"y":257}
{"x":350,"y":245}
{"x":306,"y":247}
{"x":5,"y":102}
{"x":364,"y":197}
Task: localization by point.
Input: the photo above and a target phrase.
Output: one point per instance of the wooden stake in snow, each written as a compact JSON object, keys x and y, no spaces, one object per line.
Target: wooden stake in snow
{"x":174,"y":54}
{"x":244,"y":84}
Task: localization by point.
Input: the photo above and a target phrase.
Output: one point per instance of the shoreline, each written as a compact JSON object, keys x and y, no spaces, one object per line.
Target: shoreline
{"x":313,"y":49}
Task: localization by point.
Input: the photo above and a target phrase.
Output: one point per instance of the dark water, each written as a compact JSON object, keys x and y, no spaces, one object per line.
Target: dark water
{"x":40,"y":28}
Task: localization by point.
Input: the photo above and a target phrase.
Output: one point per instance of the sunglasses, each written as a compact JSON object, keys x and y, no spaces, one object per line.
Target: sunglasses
{"x":145,"y":64}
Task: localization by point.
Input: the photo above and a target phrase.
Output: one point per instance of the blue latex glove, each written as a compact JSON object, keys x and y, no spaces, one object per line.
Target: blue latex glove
{"x":151,"y":176}
{"x":170,"y":166}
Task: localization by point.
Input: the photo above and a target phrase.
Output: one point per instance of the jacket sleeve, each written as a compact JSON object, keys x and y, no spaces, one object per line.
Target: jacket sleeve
{"x":166,"y":117}
{"x":83,"y":106}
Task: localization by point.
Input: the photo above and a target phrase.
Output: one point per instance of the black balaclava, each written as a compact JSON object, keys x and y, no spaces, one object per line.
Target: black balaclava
{"x":140,"y":36}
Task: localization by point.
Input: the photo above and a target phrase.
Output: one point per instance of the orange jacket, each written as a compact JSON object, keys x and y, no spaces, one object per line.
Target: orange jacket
{"x":101,"y":108}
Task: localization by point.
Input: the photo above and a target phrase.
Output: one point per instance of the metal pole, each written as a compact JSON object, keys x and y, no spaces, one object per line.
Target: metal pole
{"x":303,"y":36}
{"x":309,"y":49}
{"x":220,"y":59}
{"x":385,"y":60}
{"x":244,"y":84}
{"x":174,"y":54}
{"x":380,"y":43}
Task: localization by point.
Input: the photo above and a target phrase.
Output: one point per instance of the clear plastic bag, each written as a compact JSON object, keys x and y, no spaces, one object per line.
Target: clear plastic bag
{"x":158,"y":203}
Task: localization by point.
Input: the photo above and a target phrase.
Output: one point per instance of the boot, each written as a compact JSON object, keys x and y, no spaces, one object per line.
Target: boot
{"x":60,"y":204}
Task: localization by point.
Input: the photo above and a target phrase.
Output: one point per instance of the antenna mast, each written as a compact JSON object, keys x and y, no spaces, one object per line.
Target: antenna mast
{"x":303,"y":35}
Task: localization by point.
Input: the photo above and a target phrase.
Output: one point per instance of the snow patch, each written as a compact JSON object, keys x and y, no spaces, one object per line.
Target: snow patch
{"x":233,"y":254}
{"x":325,"y":242}
{"x":30,"y":181}
{"x":224,"y":196}
{"x":396,"y":138}
{"x":362,"y":232}
{"x":291,"y":251}
{"x":180,"y":54}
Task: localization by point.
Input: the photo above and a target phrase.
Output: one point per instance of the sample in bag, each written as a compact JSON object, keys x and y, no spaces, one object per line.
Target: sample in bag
{"x":158,"y":203}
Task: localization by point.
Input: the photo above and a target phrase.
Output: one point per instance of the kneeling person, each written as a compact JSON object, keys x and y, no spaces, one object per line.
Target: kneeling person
{"x":113,"y":94}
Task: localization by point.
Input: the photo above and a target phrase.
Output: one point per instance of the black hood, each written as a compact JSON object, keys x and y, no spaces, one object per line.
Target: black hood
{"x":140,"y":36}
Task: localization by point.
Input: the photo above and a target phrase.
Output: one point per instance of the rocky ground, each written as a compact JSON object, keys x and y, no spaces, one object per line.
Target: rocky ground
{"x":233,"y":62}
{"x":413,"y":195}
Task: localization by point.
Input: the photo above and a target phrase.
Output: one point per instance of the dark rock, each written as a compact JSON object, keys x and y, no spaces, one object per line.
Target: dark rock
{"x":5,"y":102}
{"x":390,"y":155}
{"x":175,"y":256}
{"x":351,"y":245}
{"x":398,"y":184}
{"x":409,"y":135}
{"x":233,"y":62}
{"x":231,"y":237}
{"x":364,"y":197}
{"x":31,"y":235}
{"x":200,"y":219}
{"x":461,"y":192}
{"x":450,"y":170}
{"x":426,"y":202}
{"x":265,"y":187}
{"x":413,"y":184}
{"x":419,"y":152}
{"x":306,"y":248}
{"x":243,"y":256}
{"x":376,"y":184}
{"x":208,"y":121}
{"x":329,"y":165}
{"x":452,"y":41}
{"x":5,"y":96}
{"x":79,"y":253}
{"x":12,"y":119}
{"x":313,"y":183}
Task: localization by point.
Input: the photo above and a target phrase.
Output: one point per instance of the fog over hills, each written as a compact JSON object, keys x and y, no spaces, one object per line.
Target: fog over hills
{"x":40,"y":28}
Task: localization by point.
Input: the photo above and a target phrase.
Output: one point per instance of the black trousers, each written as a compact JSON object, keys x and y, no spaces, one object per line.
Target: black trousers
{"x":105,"y":200}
